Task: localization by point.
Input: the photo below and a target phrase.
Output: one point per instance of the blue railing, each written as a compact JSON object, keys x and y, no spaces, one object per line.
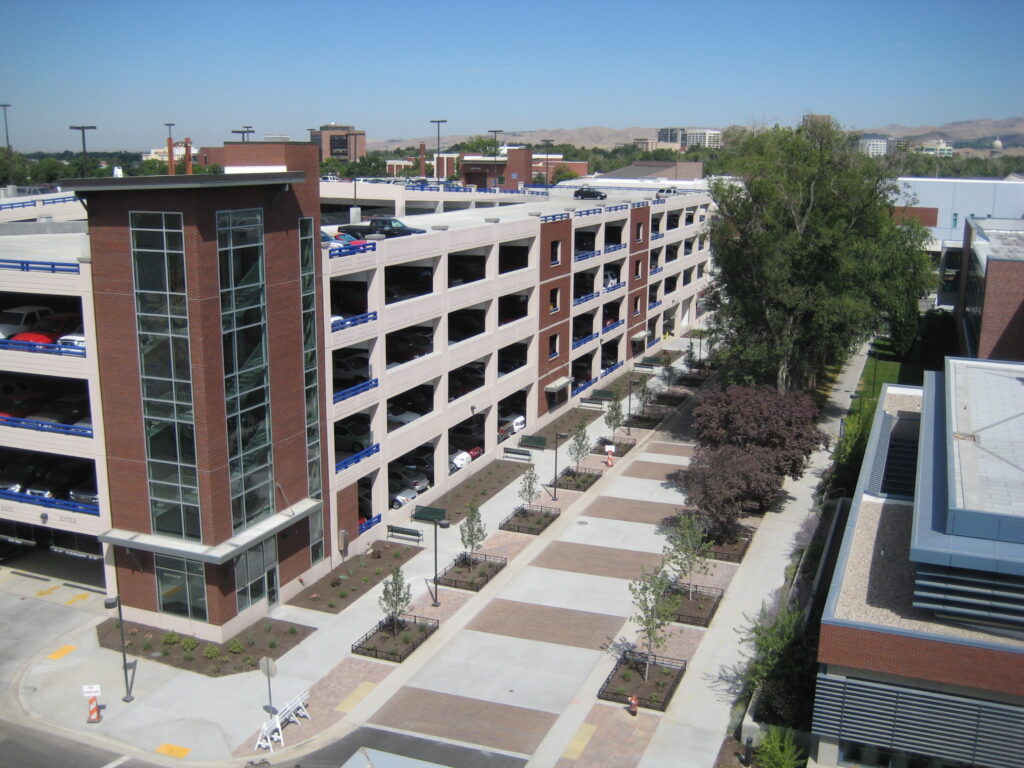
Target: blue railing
{"x":490,"y":190}
{"x":654,"y":305}
{"x":584,"y":340}
{"x":656,"y":270}
{"x":584,"y":299}
{"x":614,"y":247}
{"x":612,"y":327}
{"x":584,"y":255}
{"x":657,"y":235}
{"x":555,"y":217}
{"x":611,"y":369}
{"x":21,"y":204}
{"x":42,"y":348}
{"x":552,"y":356}
{"x":24,"y":265}
{"x":358,"y":389}
{"x":653,"y":341}
{"x":355,"y":458}
{"x":348,"y":322}
{"x":423,"y":188}
{"x":536,"y":192}
{"x":588,"y":212}
{"x":42,"y":501}
{"x":348,"y":250}
{"x":620,"y":207}
{"x":640,"y":204}
{"x":658,"y":201}
{"x":364,"y":527}
{"x":58,"y":200}
{"x":583,"y":387}
{"x":45,"y":426}
{"x":615,"y":287}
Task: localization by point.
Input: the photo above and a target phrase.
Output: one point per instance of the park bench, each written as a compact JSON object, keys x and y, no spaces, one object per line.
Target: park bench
{"x":604,"y":395}
{"x":412,"y":533}
{"x":518,"y":453}
{"x":592,"y":402}
{"x":533,"y":441}
{"x":429,"y":514}
{"x":272,"y":730}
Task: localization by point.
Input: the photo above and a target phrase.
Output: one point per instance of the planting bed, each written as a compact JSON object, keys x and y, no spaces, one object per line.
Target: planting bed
{"x":572,"y":479}
{"x":471,"y":572}
{"x":730,"y":551}
{"x":531,"y":518}
{"x":395,"y":637}
{"x":697,"y":605}
{"x":627,"y":679}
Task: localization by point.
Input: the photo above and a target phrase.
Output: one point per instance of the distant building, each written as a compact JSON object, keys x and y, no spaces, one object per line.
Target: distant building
{"x":811,"y":119}
{"x":875,"y":147}
{"x":160,"y":153}
{"x":658,"y":169}
{"x":648,"y":145}
{"x":691,"y":137}
{"x":937,"y":147}
{"x":513,"y":166}
{"x":342,"y":142}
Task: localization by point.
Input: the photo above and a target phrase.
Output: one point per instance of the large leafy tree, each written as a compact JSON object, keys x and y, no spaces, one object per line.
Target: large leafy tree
{"x":728,"y":482}
{"x":809,"y":260}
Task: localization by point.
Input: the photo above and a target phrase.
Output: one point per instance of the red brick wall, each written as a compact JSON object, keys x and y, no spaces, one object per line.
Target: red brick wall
{"x":641,"y":215}
{"x":1002,"y":321}
{"x":136,"y":587}
{"x":348,"y":510}
{"x":929,"y":217}
{"x":518,"y":168}
{"x":939,"y":662}
{"x":293,"y":550}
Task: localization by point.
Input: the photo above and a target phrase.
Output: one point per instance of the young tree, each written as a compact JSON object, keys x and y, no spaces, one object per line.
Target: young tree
{"x":562,"y":173}
{"x":395,"y":598}
{"x":668,"y":373}
{"x":784,"y":423}
{"x":529,"y":485}
{"x":809,"y":259}
{"x":728,"y":482}
{"x":688,"y":549}
{"x":473,"y":531}
{"x":579,"y":445}
{"x":655,"y":608}
{"x":613,"y":416}
{"x":644,"y":395}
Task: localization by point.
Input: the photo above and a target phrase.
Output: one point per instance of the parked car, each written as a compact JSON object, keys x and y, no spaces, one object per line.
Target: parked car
{"x":473,"y":446}
{"x":352,"y":436}
{"x":398,"y":416}
{"x":22,"y":405}
{"x":510,"y":423}
{"x":51,"y":328}
{"x":589,"y":193}
{"x":380,"y":225}
{"x":10,"y":387}
{"x":15,"y":320}
{"x":58,"y":480}
{"x":412,"y":478}
{"x":458,"y":459}
{"x":85,"y":492}
{"x":66,"y":409}
{"x":351,"y":367}
{"x":72,"y":340}
{"x":18,"y":474}
{"x":398,"y":494}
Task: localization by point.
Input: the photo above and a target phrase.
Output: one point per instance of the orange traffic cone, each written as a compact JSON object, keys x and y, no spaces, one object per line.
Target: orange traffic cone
{"x":609,"y":461}
{"x":634,"y":704}
{"x":94,"y":711}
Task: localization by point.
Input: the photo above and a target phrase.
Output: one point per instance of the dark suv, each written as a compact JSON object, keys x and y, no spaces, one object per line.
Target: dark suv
{"x":589,"y":193}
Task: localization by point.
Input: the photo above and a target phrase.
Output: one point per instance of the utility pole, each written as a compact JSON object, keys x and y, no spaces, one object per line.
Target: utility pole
{"x":437,"y":157}
{"x":85,"y":154}
{"x":495,"y":131}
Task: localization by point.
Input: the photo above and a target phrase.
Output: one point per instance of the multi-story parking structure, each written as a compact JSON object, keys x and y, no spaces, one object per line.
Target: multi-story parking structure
{"x":261,"y":402}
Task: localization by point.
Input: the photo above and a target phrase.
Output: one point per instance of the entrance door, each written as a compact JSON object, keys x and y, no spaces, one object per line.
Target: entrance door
{"x":272,"y":586}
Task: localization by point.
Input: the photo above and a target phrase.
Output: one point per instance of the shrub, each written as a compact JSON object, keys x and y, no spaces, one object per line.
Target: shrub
{"x":335,"y":582}
{"x":331,"y":604}
{"x":267,"y":626}
{"x":147,"y":645}
{"x":292,"y":630}
{"x":171,"y":638}
{"x":777,"y":750}
{"x":252,"y":661}
{"x":189,"y":644}
{"x":188,"y":657}
{"x":250,"y":639}
{"x":397,"y":555}
{"x":211,"y":652}
{"x":378,"y":571}
{"x":343,"y":594}
{"x":234,"y":646}
{"x":406,"y":638}
{"x":627,"y":675}
{"x":272,"y":644}
{"x":422,"y":628}
{"x":365,"y":580}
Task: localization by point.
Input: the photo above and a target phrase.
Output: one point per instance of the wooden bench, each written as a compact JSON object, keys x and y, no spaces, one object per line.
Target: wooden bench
{"x":412,"y":533}
{"x":592,"y":402}
{"x":518,"y":453}
{"x":533,"y":441}
{"x":604,"y":395}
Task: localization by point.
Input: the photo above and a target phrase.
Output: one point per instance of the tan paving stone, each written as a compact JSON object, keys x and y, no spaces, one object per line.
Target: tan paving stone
{"x":681,"y":641}
{"x":670,"y":449}
{"x":598,"y":561}
{"x":581,"y":629}
{"x":631,"y":510}
{"x":506,"y":544}
{"x":651,"y":470}
{"x":500,"y":726}
{"x":618,"y":739}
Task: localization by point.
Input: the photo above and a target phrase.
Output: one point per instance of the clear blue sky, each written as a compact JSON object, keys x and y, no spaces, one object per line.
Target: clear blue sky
{"x":389,"y":67}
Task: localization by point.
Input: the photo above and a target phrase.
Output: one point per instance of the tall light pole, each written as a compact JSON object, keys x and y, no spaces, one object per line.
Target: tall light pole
{"x":558,"y":436}
{"x":169,"y":126}
{"x":495,"y":131}
{"x":437,"y":524}
{"x":629,"y":410}
{"x":7,"y":136}
{"x":115,"y":602}
{"x":85,"y":154}
{"x":547,"y":158}
{"x":437,"y":157}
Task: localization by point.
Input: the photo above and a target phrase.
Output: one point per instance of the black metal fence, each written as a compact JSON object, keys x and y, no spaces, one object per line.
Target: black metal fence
{"x":482,"y":567}
{"x":573,"y":479}
{"x":529,"y":518}
{"x":623,"y":445}
{"x":698,"y":604}
{"x":398,"y":651}
{"x":635,"y":660}
{"x":719,"y":552}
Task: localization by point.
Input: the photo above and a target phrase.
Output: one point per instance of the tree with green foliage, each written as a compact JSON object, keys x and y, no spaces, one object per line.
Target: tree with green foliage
{"x":809,"y":260}
{"x":579,"y":444}
{"x":668,"y":373}
{"x":477,"y":145}
{"x":687,"y":549}
{"x":655,"y":608}
{"x":529,"y":486}
{"x":644,"y":394}
{"x":13,"y":167}
{"x":613,"y":417}
{"x":563,"y":173}
{"x":47,"y":170}
{"x":472,"y":531}
{"x":395,"y":598}
{"x":778,"y":750}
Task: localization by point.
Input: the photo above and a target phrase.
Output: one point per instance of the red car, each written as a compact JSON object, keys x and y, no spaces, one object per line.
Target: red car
{"x":51,"y":328}
{"x":21,"y":405}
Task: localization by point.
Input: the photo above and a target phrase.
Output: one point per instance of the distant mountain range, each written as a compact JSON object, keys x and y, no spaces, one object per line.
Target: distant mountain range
{"x":1011,"y":130}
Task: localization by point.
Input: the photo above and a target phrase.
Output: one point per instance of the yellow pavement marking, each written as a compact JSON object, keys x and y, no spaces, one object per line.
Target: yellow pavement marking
{"x":61,"y":652}
{"x":579,"y":741}
{"x":172,"y":750}
{"x":80,"y":596}
{"x":360,"y":693}
{"x":47,"y":591}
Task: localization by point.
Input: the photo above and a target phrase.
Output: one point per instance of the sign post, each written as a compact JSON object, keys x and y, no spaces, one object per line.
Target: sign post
{"x":269,"y":668}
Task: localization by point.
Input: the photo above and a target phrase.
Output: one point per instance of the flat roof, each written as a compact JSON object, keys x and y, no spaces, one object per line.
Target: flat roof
{"x":1000,"y":239}
{"x":183,"y":181}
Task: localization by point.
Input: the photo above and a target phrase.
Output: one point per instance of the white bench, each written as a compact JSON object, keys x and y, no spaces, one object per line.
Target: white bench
{"x":272,"y":730}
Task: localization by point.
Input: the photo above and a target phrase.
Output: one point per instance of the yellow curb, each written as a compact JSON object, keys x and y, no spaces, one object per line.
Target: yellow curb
{"x":579,"y":741}
{"x":172,"y":750}
{"x":77,"y":598}
{"x":61,"y":652}
{"x":350,"y":701}
{"x":47,"y":591}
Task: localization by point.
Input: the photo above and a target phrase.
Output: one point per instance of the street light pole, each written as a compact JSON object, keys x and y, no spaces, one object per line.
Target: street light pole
{"x":437,"y":524}
{"x":495,"y":131}
{"x":558,"y":436}
{"x":547,"y":158}
{"x":629,"y":411}
{"x":437,"y":157}
{"x":7,"y":136}
{"x":85,"y":154}
{"x":115,"y":602}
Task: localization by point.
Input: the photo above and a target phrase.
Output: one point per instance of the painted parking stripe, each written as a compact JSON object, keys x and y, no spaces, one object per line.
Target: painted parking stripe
{"x":47,"y":591}
{"x":115,"y":763}
{"x":360,"y":693}
{"x":172,"y":750}
{"x":579,"y":742}
{"x":61,"y":652}
{"x":77,"y":598}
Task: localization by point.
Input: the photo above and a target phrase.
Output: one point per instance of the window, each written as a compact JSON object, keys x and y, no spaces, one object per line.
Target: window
{"x":553,"y":300}
{"x":251,"y":572}
{"x":700,"y":269}
{"x":638,"y":269}
{"x":639,"y":231}
{"x":316,"y":537}
{"x":636,"y":305}
{"x":556,"y":252}
{"x":955,"y":217}
{"x":552,"y":346}
{"x":181,"y":588}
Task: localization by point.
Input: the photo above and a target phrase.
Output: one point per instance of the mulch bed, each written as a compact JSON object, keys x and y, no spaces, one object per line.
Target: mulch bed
{"x":622,"y":446}
{"x":730,"y":551}
{"x":355,"y":577}
{"x":627,"y":679}
{"x":240,"y":653}
{"x":696,"y":606}
{"x":530,"y":519}
{"x":731,"y":754}
{"x":481,"y":486}
{"x":567,"y":423}
{"x":472,"y":573}
{"x":646,"y":420}
{"x":395,"y":639}
{"x":572,"y":479}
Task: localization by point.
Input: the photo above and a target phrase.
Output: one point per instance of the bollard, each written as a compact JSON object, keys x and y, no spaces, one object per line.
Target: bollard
{"x":748,"y":751}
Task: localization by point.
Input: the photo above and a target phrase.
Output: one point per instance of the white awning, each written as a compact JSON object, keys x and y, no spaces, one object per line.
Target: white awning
{"x":558,"y":384}
{"x":642,"y":336}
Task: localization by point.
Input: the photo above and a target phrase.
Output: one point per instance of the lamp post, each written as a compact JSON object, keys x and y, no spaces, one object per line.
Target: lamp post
{"x":558,"y":436}
{"x":437,"y":524}
{"x":169,"y":126}
{"x":629,"y":411}
{"x":7,"y":136}
{"x":115,"y":602}
{"x":437,"y":157}
{"x":85,"y":154}
{"x":495,"y":131}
